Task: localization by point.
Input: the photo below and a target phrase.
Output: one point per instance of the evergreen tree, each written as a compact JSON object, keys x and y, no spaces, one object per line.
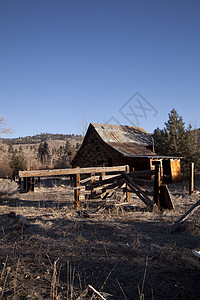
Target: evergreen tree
{"x":68,"y":148}
{"x":175,"y":140}
{"x":43,"y":153}
{"x":176,"y":136}
{"x":17,"y":163}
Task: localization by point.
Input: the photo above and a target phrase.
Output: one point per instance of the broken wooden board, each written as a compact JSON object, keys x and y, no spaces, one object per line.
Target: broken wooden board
{"x":164,"y":197}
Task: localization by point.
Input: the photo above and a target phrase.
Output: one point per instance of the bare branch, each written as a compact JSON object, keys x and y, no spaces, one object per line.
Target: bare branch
{"x":4,"y":130}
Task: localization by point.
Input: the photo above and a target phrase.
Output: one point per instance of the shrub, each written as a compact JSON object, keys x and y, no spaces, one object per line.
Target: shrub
{"x":5,"y":170}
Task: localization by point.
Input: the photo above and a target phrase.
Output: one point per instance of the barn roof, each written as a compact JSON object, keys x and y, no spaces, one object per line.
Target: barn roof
{"x":123,"y":134}
{"x":128,"y":140}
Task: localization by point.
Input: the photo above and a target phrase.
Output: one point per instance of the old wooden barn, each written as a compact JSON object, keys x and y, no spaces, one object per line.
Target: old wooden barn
{"x":114,"y":145}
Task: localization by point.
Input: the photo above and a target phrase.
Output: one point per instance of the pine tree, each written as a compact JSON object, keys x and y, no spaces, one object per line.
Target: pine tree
{"x":68,"y":148}
{"x":175,"y":140}
{"x":176,"y":137}
{"x":43,"y":153}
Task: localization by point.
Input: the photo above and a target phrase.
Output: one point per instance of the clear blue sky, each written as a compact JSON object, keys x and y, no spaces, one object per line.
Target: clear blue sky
{"x":62,"y":62}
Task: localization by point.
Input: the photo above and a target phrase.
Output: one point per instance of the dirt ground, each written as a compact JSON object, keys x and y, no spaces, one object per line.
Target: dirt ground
{"x":122,"y":252}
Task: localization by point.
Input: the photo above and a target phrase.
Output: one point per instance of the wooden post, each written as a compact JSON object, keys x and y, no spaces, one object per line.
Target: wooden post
{"x":126,"y":190}
{"x":32,"y":184}
{"x":77,"y":191}
{"x":157,"y":183}
{"x":191,"y":183}
{"x":102,"y":176}
{"x":92,"y":182}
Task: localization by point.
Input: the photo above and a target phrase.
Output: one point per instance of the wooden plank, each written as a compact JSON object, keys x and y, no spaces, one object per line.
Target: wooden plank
{"x":106,"y":181}
{"x":175,"y":166}
{"x":157,"y":183}
{"x":138,"y":191}
{"x":164,"y":197}
{"x":185,"y":217}
{"x":97,"y":178}
{"x":127,"y":191}
{"x":59,"y":172}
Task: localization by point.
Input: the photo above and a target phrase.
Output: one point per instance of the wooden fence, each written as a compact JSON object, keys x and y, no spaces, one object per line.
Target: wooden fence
{"x":105,"y":180}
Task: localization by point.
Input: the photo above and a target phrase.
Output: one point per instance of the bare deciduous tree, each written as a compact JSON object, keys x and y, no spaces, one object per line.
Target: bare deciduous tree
{"x":4,"y":130}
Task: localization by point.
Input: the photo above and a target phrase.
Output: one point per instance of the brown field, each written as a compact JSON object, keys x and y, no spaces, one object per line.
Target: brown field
{"x":122,"y":252}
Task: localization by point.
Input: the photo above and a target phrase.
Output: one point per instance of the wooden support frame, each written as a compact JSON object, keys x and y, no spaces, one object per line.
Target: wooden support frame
{"x":117,"y":175}
{"x":138,"y":191}
{"x":73,"y":171}
{"x":28,"y":176}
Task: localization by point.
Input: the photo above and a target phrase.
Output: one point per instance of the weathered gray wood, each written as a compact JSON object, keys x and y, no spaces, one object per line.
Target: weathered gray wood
{"x":137,"y":190}
{"x":59,"y":172}
{"x":97,"y":178}
{"x":106,"y":181}
{"x":185,"y":217}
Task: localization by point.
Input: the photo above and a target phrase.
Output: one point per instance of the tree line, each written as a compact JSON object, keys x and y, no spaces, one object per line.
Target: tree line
{"x":177,"y":140}
{"x":173,"y":140}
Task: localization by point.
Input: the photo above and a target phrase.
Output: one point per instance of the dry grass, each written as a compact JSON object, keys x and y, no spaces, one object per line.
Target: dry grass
{"x":62,"y":252}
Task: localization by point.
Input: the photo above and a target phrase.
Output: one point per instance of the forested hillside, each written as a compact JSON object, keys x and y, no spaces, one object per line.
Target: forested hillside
{"x":38,"y":152}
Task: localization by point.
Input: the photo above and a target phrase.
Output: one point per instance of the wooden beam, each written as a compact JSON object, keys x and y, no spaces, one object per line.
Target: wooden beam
{"x":185,"y":217}
{"x":59,"y":172}
{"x":106,"y":181}
{"x":138,"y":191}
{"x":157,"y":183}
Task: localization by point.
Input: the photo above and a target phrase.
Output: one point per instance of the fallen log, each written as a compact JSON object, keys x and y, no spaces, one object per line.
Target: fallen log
{"x":185,"y":217}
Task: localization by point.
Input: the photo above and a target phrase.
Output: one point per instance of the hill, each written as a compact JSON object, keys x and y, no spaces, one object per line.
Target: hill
{"x":41,"y":138}
{"x":61,"y":149}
